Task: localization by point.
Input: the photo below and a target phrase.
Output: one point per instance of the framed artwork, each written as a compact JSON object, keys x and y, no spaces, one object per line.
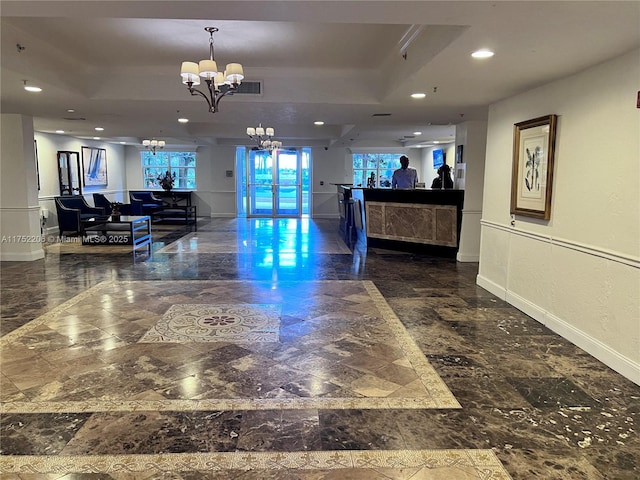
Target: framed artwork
{"x":35,"y":153}
{"x":459,"y":158}
{"x":94,"y":166}
{"x":532,"y":177}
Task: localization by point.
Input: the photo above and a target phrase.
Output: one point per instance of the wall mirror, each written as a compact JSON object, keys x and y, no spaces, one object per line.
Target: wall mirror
{"x":69,"y":173}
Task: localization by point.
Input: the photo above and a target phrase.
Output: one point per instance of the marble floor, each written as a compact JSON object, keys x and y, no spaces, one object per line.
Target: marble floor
{"x":269,"y":349}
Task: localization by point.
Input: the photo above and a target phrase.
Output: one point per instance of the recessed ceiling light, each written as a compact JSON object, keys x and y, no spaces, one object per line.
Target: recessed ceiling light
{"x":70,"y":110}
{"x":436,"y":141}
{"x":99,"y":129}
{"x":318,"y":123}
{"x":183,"y":120}
{"x":484,"y":53}
{"x":96,"y":138}
{"x":59,"y":131}
{"x":31,"y":88}
{"x":418,"y":95}
{"x":123,"y":143}
{"x":417,"y":133}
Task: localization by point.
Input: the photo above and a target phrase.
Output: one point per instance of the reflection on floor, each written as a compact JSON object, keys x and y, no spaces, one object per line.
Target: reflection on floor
{"x":260,"y":348}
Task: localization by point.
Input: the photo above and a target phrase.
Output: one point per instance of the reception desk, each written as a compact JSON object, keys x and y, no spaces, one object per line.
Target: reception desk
{"x":409,"y":220}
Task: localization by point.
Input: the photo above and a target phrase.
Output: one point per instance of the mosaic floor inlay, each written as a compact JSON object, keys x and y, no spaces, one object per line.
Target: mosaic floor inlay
{"x":428,"y":464}
{"x":216,"y":323}
{"x":339,"y":345}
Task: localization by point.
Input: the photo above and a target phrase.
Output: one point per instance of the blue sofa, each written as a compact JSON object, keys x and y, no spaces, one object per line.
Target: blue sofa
{"x":133,"y":208}
{"x":72,"y":210}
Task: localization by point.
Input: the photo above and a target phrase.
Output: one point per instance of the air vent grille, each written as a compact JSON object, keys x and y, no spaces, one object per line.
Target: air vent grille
{"x":381,"y":115}
{"x":75,"y":119}
{"x":249,"y":88}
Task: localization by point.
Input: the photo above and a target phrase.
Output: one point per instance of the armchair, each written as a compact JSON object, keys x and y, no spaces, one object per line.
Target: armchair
{"x":72,"y":210}
{"x":150,"y":203}
{"x":133,"y":208}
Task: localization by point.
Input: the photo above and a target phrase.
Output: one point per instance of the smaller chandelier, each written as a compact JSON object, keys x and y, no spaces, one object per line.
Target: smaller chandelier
{"x":153,"y":144}
{"x":263,"y":137}
{"x":218,"y":83}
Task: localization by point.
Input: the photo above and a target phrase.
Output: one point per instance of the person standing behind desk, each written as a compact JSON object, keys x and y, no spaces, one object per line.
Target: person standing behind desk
{"x":405,"y":176}
{"x":443,"y":180}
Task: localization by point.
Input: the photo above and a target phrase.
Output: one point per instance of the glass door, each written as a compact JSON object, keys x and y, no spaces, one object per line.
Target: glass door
{"x":274,"y":183}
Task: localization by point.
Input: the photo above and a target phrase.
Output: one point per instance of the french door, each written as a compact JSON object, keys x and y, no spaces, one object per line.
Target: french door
{"x":274,"y":183}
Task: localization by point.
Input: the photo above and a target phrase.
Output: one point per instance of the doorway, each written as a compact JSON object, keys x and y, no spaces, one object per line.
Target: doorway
{"x":274,"y":184}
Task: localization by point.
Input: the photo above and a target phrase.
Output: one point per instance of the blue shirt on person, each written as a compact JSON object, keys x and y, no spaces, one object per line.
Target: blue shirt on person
{"x":406,"y":176}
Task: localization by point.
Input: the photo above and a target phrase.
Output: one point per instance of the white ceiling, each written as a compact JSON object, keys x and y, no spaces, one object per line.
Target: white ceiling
{"x":117,"y":64}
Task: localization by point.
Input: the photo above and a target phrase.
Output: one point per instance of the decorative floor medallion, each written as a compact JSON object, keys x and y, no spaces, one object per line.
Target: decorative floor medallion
{"x":216,"y":323}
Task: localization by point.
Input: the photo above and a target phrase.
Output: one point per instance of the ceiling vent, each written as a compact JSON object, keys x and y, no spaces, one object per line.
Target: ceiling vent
{"x":381,"y":115}
{"x":74,"y":118}
{"x":249,"y":88}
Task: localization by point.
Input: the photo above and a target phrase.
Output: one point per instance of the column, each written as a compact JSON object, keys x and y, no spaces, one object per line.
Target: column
{"x":473,"y":137}
{"x":19,"y":208}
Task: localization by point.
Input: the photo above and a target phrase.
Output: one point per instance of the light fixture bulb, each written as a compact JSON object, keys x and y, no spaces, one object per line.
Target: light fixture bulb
{"x":262,"y":137}
{"x":31,"y":88}
{"x":483,"y":53}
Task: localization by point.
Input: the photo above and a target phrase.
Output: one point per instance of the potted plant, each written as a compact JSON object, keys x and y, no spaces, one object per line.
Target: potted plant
{"x":167,"y":180}
{"x":115,"y":209}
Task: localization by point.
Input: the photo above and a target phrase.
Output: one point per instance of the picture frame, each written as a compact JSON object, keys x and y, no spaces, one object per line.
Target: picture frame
{"x":94,"y":166}
{"x":35,"y":154}
{"x":459,"y":158}
{"x":533,"y":160}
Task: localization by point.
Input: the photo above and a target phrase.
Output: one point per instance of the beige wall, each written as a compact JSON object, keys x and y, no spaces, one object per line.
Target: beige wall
{"x":579,"y":272}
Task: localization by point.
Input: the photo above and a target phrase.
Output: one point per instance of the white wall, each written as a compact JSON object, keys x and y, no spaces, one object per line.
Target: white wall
{"x":331,"y":167}
{"x":579,"y":272}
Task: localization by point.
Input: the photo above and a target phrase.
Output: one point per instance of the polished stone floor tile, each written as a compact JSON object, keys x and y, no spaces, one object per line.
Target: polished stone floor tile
{"x":386,"y":365}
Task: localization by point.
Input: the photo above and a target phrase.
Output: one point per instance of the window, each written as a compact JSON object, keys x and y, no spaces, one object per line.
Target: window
{"x":381,"y":165}
{"x":183,"y":164}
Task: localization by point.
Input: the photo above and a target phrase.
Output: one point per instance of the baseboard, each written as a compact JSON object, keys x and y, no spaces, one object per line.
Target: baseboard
{"x":491,"y":287}
{"x":614,"y":360}
{"x":621,"y":364}
{"x":466,"y":258}
{"x":524,"y":305}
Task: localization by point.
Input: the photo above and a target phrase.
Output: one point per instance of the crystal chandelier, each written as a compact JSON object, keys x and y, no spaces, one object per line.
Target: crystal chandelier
{"x":153,"y":144}
{"x":218,"y":83}
{"x":262,"y":136}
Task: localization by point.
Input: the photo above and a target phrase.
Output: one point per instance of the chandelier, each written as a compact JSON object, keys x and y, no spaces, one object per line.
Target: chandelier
{"x":262,"y":136}
{"x":218,"y":83}
{"x":153,"y":144}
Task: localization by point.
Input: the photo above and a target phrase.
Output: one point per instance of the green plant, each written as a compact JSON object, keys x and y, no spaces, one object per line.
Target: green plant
{"x":167,"y":180}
